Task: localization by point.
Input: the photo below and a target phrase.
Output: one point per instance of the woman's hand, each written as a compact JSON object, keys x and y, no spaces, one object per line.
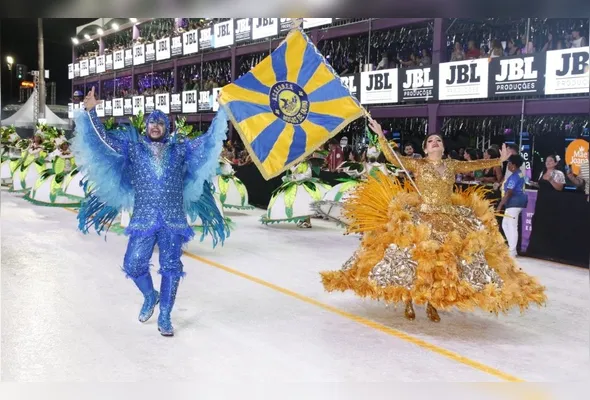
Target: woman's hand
{"x":375,"y":127}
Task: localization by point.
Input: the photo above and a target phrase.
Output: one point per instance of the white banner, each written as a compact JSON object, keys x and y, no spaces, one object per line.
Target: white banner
{"x":91,"y":66}
{"x":128,"y":106}
{"x":138,"y":105}
{"x":70,"y":71}
{"x":264,"y":27}
{"x":176,"y":48}
{"x":242,"y":30}
{"x":150,"y":52}
{"x":163,"y":103}
{"x":313,"y":22}
{"x":223,"y":34}
{"x":100,"y":64}
{"x":190,"y":42}
{"x":189,"y":101}
{"x":76,"y":70}
{"x":108,"y":62}
{"x":84,"y":68}
{"x":175,"y":103}
{"x":71,"y":107}
{"x":117,"y":107}
{"x":100,"y":109}
{"x":128,"y":57}
{"x":214,"y":98}
{"x":379,"y":86}
{"x":149,"y":104}
{"x":205,"y":38}
{"x":119,"y":59}
{"x":204,"y":101}
{"x":567,"y":71}
{"x":108,"y":108}
{"x":138,"y":54}
{"x":466,"y":79}
{"x":163,"y":49}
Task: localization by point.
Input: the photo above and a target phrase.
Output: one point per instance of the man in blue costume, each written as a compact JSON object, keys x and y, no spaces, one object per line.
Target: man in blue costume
{"x":162,"y":178}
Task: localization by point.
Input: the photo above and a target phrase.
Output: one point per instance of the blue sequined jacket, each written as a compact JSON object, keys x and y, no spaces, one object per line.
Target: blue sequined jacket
{"x":161,"y":182}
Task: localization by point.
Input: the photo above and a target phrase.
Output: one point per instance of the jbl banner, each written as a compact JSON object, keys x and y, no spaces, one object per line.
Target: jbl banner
{"x":517,"y":76}
{"x":379,"y":86}
{"x":567,"y":71}
{"x":466,"y":79}
{"x":418,"y":84}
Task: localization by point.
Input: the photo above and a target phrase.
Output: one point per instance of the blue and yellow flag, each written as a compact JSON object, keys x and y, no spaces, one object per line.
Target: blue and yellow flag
{"x":287,"y":106}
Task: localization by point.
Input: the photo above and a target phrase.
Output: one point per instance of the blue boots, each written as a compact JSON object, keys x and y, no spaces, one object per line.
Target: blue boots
{"x":168,"y":289}
{"x":151,"y":297}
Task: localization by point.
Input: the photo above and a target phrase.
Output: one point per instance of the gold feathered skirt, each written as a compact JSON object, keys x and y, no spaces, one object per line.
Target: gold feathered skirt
{"x":448,"y":257}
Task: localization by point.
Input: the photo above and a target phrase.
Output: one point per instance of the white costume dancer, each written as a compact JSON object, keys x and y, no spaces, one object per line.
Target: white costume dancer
{"x":292,"y":201}
{"x":51,"y":188}
{"x":232,"y":192}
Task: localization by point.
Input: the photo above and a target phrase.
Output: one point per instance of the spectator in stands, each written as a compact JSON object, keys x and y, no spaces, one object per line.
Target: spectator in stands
{"x":473,"y":51}
{"x":497,"y":50}
{"x":409,"y":151}
{"x":412,"y":62}
{"x":513,"y":47}
{"x":550,"y":44}
{"x":529,"y":48}
{"x":514,"y":200}
{"x":425,"y":59}
{"x":483,"y":52}
{"x":385,"y":62}
{"x":577,"y":39}
{"x":351,"y":67}
{"x":458,"y":53}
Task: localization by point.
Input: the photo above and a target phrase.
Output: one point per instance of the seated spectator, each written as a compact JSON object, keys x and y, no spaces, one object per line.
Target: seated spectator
{"x":513,"y":47}
{"x":577,"y":39}
{"x":473,"y":51}
{"x":425,"y":59}
{"x":497,"y":50}
{"x":458,"y":53}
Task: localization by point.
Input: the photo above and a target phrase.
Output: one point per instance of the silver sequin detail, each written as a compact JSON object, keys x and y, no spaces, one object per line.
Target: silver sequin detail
{"x":397,"y":268}
{"x":478,"y":273}
{"x":350,"y":262}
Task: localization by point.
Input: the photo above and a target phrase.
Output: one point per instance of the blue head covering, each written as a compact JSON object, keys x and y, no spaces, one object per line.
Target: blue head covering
{"x":158,"y":117}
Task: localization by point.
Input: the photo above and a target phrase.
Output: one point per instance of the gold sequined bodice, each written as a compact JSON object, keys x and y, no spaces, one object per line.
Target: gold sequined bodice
{"x":435,"y":179}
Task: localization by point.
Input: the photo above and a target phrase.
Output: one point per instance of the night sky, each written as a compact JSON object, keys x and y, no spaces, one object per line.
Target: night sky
{"x":18,"y":38}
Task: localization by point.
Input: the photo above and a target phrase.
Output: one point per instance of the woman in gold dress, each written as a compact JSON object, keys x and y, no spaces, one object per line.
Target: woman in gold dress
{"x":435,"y":248}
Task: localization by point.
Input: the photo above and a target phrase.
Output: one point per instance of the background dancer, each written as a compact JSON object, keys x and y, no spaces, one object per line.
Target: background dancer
{"x":162,"y":179}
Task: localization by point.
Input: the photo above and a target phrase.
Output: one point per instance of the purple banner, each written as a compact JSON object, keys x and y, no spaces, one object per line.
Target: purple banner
{"x":527,"y":219}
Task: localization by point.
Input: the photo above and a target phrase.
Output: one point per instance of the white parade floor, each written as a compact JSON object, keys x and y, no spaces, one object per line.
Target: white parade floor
{"x":255,"y":311}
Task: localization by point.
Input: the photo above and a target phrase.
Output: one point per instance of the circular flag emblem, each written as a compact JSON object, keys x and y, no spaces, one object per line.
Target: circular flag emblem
{"x":289,"y":102}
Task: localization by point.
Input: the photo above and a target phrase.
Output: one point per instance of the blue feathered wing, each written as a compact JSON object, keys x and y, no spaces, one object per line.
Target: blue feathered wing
{"x":202,"y":162}
{"x":102,"y":157}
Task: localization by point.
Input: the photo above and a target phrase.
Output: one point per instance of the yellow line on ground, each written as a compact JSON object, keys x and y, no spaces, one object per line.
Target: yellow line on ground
{"x":363,"y":321}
